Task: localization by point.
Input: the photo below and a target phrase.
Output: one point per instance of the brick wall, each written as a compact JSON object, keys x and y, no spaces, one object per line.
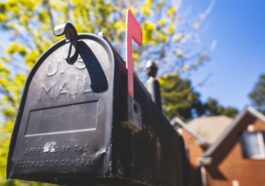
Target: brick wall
{"x":194,"y":151}
{"x":236,"y":169}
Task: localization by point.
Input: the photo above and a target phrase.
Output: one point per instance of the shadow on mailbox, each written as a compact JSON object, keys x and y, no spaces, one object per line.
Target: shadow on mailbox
{"x":69,"y":128}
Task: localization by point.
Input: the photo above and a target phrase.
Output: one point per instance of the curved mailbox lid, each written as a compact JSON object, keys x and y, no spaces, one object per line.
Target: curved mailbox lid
{"x":65,"y":117}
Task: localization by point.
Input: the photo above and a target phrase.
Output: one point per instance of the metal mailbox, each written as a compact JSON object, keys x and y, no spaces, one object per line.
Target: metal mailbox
{"x":70,"y":125}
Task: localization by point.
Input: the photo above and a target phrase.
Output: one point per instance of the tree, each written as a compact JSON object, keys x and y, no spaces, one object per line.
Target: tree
{"x":213,"y":108}
{"x":180,"y":99}
{"x":27,"y":26}
{"x":257,"y":95}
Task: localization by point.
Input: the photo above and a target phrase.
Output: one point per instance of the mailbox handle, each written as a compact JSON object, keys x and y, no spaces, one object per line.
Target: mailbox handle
{"x":70,"y":33}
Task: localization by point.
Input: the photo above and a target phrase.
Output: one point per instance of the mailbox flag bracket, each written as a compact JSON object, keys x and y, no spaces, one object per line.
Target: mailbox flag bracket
{"x":134,"y":115}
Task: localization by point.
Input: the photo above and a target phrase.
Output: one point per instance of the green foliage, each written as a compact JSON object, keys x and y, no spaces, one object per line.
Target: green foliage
{"x":213,"y":108}
{"x":180,"y":99}
{"x":257,"y":95}
{"x":29,"y":25}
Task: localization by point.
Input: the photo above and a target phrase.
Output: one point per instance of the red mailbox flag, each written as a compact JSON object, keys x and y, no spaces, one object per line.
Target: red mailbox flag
{"x":133,"y":32}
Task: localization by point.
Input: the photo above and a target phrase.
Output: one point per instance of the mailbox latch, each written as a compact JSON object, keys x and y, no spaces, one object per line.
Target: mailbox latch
{"x":70,"y":33}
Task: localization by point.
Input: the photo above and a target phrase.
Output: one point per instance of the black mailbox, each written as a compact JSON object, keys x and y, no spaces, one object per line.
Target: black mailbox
{"x":70,"y":125}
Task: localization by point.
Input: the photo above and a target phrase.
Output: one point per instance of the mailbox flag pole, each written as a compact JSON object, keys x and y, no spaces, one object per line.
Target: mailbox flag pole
{"x":133,"y":32}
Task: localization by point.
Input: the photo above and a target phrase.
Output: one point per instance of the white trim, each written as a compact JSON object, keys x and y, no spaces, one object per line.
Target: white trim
{"x":203,"y":176}
{"x":261,"y":144}
{"x":235,"y":183}
{"x":177,"y":121}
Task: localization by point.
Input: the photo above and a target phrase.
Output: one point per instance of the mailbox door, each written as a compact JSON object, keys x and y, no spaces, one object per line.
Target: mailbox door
{"x":63,"y":129}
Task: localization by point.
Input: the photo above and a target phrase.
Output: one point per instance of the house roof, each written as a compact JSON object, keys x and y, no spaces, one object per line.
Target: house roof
{"x":209,"y":128}
{"x":179,"y":123}
{"x":246,"y":117}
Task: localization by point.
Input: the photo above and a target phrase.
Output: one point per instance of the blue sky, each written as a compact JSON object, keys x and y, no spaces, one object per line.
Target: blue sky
{"x":238,"y":27}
